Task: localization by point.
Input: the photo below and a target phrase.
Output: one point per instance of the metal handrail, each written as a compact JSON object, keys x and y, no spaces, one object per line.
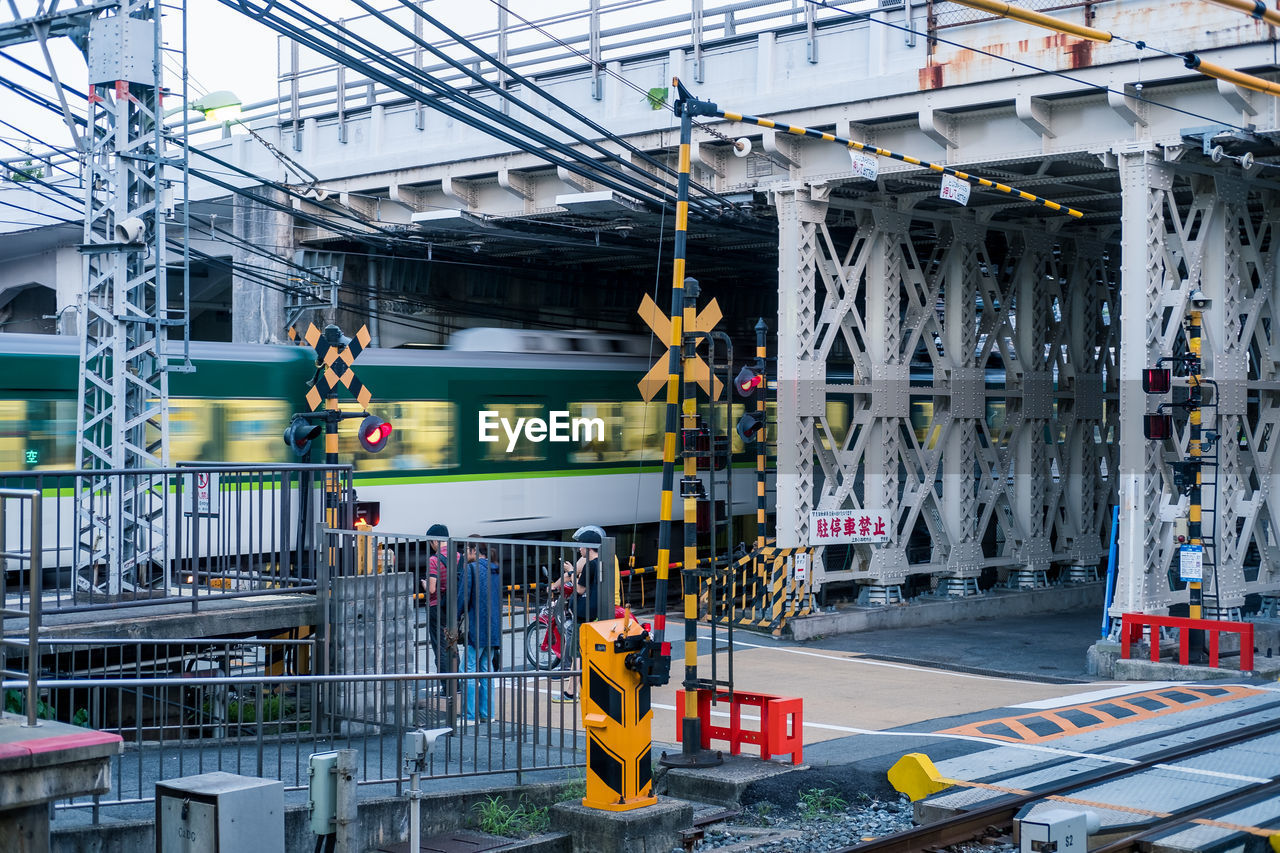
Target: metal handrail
{"x":33,"y":599}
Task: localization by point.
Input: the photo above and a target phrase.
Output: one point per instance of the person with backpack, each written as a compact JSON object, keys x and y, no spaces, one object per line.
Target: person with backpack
{"x":480,"y":610}
{"x":435,"y":585}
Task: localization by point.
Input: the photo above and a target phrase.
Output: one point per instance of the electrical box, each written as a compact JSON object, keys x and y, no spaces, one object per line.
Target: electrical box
{"x":1056,"y":831}
{"x":122,"y":49}
{"x":322,"y":791}
{"x":219,"y":813}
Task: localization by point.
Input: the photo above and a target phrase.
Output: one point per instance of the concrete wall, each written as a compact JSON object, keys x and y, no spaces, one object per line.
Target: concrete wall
{"x":382,"y":822}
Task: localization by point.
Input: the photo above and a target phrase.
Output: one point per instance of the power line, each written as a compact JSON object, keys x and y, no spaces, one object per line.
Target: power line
{"x":578,"y":163}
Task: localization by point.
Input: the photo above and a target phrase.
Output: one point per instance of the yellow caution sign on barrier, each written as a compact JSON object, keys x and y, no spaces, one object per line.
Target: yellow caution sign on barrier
{"x":617,"y":717}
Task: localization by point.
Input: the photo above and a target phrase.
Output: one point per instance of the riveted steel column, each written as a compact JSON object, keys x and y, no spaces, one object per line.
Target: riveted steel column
{"x":890,"y":402}
{"x":1143,"y":558}
{"x":801,"y":378}
{"x":965,"y":405}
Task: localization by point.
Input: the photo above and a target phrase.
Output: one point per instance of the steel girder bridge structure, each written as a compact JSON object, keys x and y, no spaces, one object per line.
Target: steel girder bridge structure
{"x":972,"y":370}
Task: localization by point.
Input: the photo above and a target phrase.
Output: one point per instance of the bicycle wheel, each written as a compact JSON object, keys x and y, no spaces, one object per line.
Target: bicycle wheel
{"x":537,"y":647}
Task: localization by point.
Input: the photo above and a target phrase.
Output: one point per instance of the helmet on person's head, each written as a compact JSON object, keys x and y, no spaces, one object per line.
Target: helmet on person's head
{"x":437,"y":531}
{"x":589,"y":535}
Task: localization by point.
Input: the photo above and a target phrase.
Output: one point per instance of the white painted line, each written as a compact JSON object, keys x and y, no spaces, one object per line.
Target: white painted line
{"x":991,"y":742}
{"x":1095,"y":695}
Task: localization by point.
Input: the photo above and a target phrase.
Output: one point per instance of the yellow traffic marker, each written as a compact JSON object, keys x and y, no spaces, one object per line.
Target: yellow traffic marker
{"x":915,"y":776}
{"x":656,"y":379}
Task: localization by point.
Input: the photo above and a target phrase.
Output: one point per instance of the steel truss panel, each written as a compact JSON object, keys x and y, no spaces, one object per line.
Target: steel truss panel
{"x":977,"y":416}
{"x":123,"y":400}
{"x":1188,"y":231}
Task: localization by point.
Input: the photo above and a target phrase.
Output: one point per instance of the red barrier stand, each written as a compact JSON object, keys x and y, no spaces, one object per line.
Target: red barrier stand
{"x":1133,"y":627}
{"x":781,"y":729}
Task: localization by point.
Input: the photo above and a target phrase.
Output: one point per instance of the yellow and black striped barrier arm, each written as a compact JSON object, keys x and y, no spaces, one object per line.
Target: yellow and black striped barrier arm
{"x":762,"y":443}
{"x":1195,"y":525}
{"x":905,"y":158}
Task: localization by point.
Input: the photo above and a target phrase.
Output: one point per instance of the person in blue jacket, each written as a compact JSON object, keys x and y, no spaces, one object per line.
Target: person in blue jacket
{"x":480,"y":609}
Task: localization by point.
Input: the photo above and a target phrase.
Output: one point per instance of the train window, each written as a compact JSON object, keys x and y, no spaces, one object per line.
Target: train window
{"x":632,"y":432}
{"x":524,"y":449}
{"x":37,"y":434}
{"x":246,"y":431}
{"x":424,"y":437}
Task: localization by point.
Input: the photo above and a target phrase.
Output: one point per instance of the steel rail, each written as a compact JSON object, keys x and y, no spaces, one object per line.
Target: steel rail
{"x":1198,"y":814}
{"x":968,"y":825}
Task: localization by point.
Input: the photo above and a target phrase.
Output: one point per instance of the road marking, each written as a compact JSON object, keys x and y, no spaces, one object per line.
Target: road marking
{"x":1094,"y":695}
{"x":1039,"y":726}
{"x":991,"y":742}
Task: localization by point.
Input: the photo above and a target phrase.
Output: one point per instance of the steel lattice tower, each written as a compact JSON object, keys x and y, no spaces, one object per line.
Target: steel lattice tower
{"x":123,"y":417}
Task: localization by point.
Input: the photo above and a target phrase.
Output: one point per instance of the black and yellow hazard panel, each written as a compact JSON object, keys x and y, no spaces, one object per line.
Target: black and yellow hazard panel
{"x":1041,"y":726}
{"x":618,"y":718}
{"x":769,"y":592}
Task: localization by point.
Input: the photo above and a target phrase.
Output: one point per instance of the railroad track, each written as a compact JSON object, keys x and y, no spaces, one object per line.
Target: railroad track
{"x":970,"y":825}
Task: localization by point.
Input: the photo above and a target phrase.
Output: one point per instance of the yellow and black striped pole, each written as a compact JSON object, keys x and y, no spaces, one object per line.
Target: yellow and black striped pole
{"x":905,"y":158}
{"x":762,"y":445}
{"x":1194,"y":521}
{"x":682,"y":314}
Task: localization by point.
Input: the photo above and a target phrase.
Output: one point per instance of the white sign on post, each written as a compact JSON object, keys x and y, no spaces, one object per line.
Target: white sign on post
{"x":1191,"y":562}
{"x":197,"y":497}
{"x":800,"y":567}
{"x":848,"y":526}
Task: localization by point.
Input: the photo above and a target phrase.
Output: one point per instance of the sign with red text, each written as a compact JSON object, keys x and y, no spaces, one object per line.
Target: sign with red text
{"x":848,"y":526}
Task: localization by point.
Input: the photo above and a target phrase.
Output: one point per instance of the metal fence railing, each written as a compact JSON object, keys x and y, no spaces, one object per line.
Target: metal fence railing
{"x":249,"y":707}
{"x":23,"y":548}
{"x":543,"y":39}
{"x":134,"y":537}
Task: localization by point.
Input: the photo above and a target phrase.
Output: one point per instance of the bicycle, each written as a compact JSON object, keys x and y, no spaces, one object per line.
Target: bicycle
{"x":545,"y":636}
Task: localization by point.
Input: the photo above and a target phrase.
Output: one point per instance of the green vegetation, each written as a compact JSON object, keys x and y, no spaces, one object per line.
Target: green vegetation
{"x":274,"y":708}
{"x":28,"y":171}
{"x":496,"y":817}
{"x":15,"y":702}
{"x":657,"y":97}
{"x":820,"y":802}
{"x":574,"y":789}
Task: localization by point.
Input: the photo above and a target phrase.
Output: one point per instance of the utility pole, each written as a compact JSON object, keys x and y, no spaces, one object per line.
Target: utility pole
{"x":123,"y":414}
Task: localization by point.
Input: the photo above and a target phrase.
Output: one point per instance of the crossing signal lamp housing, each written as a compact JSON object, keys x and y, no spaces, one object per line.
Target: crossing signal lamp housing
{"x":1157,"y":426}
{"x":749,"y":425}
{"x":1156,"y":380}
{"x":368,"y":512}
{"x":299,"y":434}
{"x":750,"y":380}
{"x":374,"y":432}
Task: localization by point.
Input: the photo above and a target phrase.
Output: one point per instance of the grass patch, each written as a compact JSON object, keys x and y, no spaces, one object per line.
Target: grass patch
{"x":821,"y":802}
{"x":496,"y":817}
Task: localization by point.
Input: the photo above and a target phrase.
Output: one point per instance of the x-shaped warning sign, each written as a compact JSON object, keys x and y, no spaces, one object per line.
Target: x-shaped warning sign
{"x":334,"y":366}
{"x":656,"y":379}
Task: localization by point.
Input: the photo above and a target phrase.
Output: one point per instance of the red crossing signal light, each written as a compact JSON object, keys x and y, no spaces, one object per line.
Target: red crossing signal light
{"x":373,"y":433}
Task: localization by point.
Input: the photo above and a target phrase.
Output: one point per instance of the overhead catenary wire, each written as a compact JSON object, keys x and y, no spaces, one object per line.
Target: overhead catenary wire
{"x":542,"y":92}
{"x":572,"y":160}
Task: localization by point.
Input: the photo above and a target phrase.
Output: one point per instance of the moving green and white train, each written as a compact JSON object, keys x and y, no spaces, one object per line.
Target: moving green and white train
{"x":235,"y":406}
